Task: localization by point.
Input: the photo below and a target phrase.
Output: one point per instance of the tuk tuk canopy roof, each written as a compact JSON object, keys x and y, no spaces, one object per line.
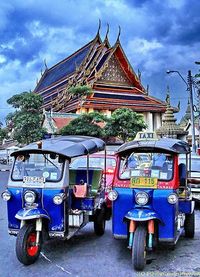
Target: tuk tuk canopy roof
{"x":163,"y":145}
{"x":68,"y":146}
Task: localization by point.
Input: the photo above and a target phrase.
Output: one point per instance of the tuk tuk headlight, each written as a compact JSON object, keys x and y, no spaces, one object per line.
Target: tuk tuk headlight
{"x":112,"y":195}
{"x":29,"y":197}
{"x":6,"y":195}
{"x":172,"y":198}
{"x":141,"y":198}
{"x":58,"y":198}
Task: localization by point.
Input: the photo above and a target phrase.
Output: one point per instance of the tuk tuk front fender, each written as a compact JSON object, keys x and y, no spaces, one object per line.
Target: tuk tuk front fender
{"x":34,"y":213}
{"x":142,"y":215}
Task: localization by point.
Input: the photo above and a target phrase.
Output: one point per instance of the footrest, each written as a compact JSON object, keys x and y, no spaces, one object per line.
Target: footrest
{"x":76,"y":219}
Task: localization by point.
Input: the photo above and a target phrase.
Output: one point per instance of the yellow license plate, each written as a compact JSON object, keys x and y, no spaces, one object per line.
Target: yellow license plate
{"x":143,"y":182}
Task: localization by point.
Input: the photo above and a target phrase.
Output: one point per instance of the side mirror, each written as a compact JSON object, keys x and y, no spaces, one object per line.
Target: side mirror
{"x":182,"y":174}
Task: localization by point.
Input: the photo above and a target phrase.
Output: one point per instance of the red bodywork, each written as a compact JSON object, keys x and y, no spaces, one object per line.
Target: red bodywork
{"x":172,"y":184}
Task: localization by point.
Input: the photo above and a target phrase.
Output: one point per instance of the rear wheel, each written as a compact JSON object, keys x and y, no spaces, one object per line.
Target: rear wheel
{"x":26,"y":249}
{"x":139,"y":248}
{"x":189,"y":225}
{"x":108,"y":213}
{"x":99,"y":222}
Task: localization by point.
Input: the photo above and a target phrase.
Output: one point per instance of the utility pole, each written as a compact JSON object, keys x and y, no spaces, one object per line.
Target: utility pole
{"x":199,"y":116}
{"x":191,"y":110}
{"x":189,"y":84}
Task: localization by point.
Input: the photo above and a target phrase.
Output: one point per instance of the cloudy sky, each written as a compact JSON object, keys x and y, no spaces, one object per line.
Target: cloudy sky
{"x":156,"y":35}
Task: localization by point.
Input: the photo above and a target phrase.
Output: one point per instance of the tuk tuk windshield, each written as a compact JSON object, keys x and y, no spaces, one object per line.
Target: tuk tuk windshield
{"x":48,"y":167}
{"x":153,"y":165}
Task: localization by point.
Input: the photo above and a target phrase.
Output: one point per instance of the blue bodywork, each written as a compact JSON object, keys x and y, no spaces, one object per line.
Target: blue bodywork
{"x":46,"y":208}
{"x":125,"y":208}
{"x":86,"y":203}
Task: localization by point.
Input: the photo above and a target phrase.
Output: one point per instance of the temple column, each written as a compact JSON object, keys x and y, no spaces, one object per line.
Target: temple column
{"x":157,"y":121}
{"x":81,"y":110}
{"x":149,"y":121}
{"x":106,"y":112}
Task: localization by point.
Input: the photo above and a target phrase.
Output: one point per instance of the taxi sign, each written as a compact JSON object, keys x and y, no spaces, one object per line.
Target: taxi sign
{"x":143,"y":182}
{"x":146,"y":136}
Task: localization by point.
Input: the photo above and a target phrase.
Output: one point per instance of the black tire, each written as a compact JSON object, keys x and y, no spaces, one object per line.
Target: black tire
{"x":189,"y":225}
{"x":99,"y":222}
{"x":26,"y":252}
{"x":108,"y":213}
{"x":139,"y":248}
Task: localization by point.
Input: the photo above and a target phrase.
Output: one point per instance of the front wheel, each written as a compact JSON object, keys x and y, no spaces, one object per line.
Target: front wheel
{"x":26,"y":249}
{"x":189,"y":225}
{"x":99,"y":222}
{"x":139,"y":248}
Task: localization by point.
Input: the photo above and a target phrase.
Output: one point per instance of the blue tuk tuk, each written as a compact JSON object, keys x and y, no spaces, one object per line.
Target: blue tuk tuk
{"x":47,"y":199}
{"x":152,"y":202}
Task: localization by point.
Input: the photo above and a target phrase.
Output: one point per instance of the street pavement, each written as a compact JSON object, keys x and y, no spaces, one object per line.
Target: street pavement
{"x":87,"y":255}
{"x":5,"y":167}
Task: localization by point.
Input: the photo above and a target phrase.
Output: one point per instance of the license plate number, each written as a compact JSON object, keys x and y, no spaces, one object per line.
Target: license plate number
{"x":33,"y":181}
{"x":143,"y":182}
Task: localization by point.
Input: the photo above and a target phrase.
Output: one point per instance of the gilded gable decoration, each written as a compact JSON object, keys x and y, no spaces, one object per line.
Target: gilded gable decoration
{"x":114,"y":73}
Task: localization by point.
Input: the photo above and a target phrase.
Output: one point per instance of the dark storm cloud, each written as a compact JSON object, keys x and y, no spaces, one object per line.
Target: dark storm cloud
{"x":156,"y":35}
{"x":175,"y":22}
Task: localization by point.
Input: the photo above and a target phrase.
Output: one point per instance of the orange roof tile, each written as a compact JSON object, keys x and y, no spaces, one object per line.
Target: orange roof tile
{"x":61,"y":122}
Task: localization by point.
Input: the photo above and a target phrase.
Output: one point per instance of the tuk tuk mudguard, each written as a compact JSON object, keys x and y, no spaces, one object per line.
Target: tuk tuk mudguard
{"x":186,"y":206}
{"x":27,"y":214}
{"x":142,"y":215}
{"x":16,"y":211}
{"x":167,"y":212}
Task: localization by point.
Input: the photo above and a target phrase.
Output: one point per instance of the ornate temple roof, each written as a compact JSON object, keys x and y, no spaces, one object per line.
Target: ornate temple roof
{"x":106,"y":70}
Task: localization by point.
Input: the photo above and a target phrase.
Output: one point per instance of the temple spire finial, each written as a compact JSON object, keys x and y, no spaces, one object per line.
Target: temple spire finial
{"x":108,"y":28}
{"x":99,"y":27}
{"x":147,"y":90}
{"x":119,"y":33}
{"x":179,"y":105}
{"x":168,"y":96}
{"x":45,"y":64}
{"x":106,"y":41}
{"x":139,"y":74}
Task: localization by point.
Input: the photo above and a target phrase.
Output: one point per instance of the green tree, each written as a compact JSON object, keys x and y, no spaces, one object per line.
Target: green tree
{"x":3,"y":132}
{"x":79,"y":91}
{"x":26,"y":121}
{"x":124,"y":124}
{"x":86,"y":125}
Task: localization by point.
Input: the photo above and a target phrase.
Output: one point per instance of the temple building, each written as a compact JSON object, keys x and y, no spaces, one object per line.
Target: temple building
{"x":109,"y":74}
